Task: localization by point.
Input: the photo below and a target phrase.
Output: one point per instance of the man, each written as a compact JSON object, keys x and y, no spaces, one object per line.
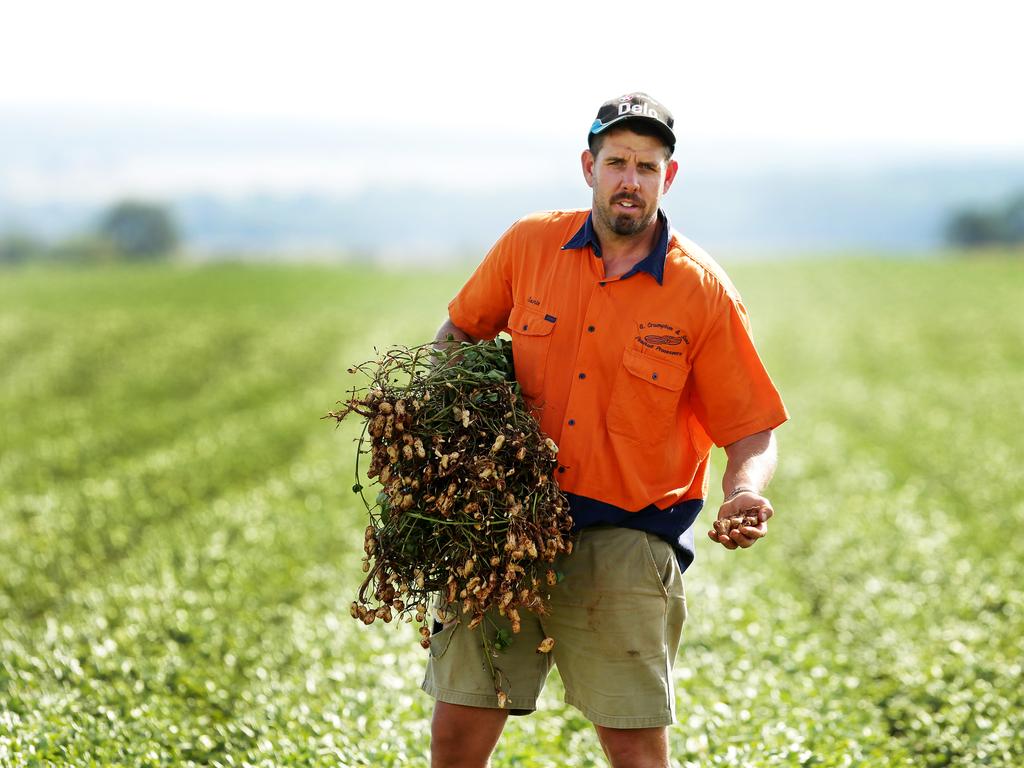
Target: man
{"x":635,"y":349}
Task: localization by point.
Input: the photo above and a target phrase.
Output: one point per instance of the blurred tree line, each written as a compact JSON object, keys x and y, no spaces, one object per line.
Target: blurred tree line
{"x":130,"y":230}
{"x":999,"y":225}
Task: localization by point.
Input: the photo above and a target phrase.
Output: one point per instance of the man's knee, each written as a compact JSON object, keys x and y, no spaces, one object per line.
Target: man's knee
{"x":464,"y":737}
{"x":635,"y":747}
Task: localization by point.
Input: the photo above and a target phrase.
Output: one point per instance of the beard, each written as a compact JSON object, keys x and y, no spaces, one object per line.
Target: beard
{"x":623,"y":224}
{"x":626,"y":225}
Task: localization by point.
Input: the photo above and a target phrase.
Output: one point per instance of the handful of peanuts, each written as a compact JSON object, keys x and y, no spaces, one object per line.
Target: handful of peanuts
{"x":726,"y":524}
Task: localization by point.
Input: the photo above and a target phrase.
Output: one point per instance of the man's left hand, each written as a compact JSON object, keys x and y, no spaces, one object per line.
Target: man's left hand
{"x":744,"y":503}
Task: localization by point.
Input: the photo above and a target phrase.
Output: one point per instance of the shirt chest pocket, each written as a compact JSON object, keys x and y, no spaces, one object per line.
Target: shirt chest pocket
{"x":645,"y":398}
{"x":531,"y":342}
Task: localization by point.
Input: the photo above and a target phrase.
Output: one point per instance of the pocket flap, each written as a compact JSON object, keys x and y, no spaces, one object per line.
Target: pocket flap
{"x":657,"y":372}
{"x":530,"y":322}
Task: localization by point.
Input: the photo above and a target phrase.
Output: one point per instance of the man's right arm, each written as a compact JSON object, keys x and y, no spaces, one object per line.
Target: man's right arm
{"x":448,"y":328}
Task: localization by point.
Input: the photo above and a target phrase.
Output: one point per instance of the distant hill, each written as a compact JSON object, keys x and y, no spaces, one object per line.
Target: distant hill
{"x":297,"y":190}
{"x":889,"y":209}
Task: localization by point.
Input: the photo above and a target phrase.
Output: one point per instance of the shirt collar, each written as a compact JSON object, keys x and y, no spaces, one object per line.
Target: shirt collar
{"x":653,"y":264}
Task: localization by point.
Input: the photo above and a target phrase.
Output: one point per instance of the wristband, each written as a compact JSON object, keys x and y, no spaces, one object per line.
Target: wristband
{"x":738,"y":490}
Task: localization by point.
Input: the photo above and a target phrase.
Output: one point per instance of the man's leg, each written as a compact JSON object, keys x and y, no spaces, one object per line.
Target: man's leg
{"x":635,"y":747}
{"x":464,"y":737}
{"x":616,"y":616}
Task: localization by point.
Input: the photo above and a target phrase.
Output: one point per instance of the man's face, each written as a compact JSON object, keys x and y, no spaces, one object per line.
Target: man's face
{"x":629,"y":175}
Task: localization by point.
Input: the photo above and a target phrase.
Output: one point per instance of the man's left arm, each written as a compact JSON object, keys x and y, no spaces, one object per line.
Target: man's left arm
{"x":751,"y":464}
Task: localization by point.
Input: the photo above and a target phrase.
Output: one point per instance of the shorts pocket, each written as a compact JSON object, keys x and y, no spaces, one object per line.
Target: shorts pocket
{"x":645,"y":398}
{"x":531,"y":342}
{"x":441,"y":637}
{"x":659,"y":558}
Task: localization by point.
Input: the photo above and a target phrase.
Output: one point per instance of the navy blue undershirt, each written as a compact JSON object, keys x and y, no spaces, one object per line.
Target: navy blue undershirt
{"x":675,"y":524}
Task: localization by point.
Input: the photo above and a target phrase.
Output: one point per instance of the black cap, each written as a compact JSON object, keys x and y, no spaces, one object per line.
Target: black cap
{"x":635,"y":106}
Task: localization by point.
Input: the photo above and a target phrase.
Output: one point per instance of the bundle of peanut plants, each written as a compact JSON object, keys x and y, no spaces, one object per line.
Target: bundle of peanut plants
{"x":468,"y":512}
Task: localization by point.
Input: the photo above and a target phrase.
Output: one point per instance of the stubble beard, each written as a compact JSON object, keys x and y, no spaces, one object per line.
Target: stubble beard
{"x":625,"y":225}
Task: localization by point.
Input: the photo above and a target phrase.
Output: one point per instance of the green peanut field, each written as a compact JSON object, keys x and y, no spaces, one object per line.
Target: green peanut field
{"x":179,"y":540}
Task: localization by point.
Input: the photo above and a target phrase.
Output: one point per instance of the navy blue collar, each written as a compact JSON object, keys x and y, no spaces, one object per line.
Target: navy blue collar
{"x":653,"y":264}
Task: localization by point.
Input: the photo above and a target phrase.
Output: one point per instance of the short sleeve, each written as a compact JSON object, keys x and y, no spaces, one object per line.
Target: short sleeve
{"x":733,"y":395}
{"x":482,"y":307}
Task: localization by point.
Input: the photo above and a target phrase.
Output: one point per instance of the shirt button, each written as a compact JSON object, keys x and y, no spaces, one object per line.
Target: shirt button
{"x":602,"y":283}
{"x":654,"y":375}
{"x":591,"y":329}
{"x":561,"y":470}
{"x":525,"y":327}
{"x":572,"y":422}
{"x":583,"y":375}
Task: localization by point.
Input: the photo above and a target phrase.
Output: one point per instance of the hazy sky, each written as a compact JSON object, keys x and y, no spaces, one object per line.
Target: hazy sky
{"x":895,"y":71}
{"x":818,"y":76}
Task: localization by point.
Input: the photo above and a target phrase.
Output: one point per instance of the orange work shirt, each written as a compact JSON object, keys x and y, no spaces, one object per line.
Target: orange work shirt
{"x":635,"y":380}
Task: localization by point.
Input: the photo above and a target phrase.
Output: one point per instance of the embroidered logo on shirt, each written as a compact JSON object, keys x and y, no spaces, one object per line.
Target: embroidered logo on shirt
{"x":661,"y":335}
{"x":652,"y":339}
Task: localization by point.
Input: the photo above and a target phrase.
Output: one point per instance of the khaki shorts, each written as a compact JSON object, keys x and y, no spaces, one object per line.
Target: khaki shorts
{"x":616,"y":618}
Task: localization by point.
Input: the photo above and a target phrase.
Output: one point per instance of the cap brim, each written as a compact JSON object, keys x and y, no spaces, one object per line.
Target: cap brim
{"x":663,"y":130}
